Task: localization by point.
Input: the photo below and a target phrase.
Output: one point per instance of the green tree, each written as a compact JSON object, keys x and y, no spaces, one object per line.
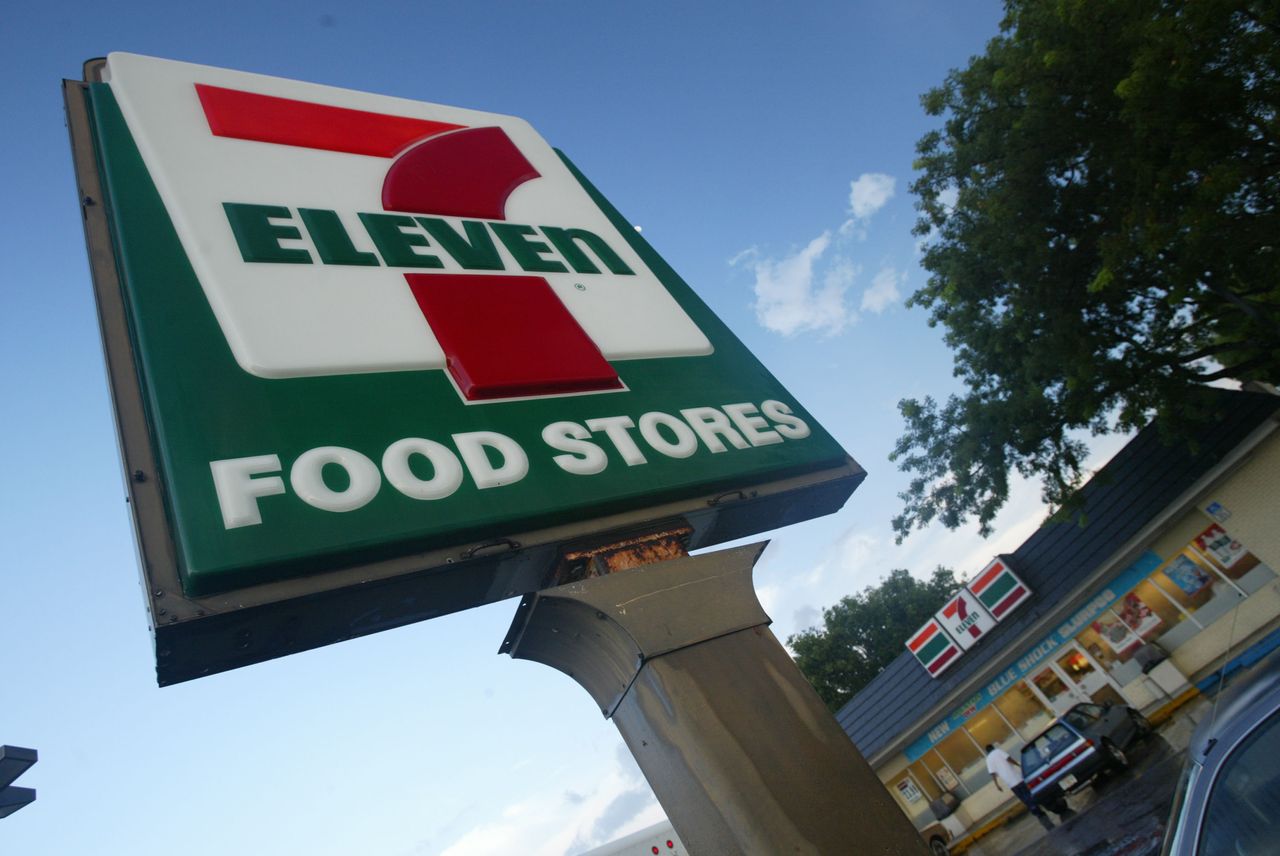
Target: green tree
{"x":1101,"y":209}
{"x":864,"y":632}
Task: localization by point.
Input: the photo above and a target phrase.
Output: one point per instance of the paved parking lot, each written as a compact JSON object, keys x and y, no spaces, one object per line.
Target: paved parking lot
{"x":1122,"y":816}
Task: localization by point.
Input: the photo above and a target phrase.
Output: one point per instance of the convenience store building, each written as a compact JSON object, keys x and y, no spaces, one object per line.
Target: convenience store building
{"x":1166,"y":572}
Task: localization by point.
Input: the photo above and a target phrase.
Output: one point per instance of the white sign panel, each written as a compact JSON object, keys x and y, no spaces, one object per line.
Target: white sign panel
{"x":965,"y":619}
{"x":320,"y":160}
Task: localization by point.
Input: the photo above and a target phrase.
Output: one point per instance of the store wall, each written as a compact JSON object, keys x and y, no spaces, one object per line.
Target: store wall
{"x":1250,"y":495}
{"x":1173,"y":539}
{"x":1260,"y":612}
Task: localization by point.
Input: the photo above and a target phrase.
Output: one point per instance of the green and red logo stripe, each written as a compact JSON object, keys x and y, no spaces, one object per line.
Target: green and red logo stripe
{"x":998,"y":589}
{"x":933,"y":647}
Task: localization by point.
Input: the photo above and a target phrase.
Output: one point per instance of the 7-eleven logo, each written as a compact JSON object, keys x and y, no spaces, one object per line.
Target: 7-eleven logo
{"x":503,"y":335}
{"x":999,"y":589}
{"x":965,"y":619}
{"x":337,"y":232}
{"x":935,"y":650}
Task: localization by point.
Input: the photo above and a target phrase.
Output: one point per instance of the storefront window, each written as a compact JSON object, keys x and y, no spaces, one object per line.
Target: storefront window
{"x":1087,"y":681}
{"x":1112,"y":645}
{"x":1196,"y":587}
{"x":963,"y":756}
{"x":1232,"y":559}
{"x":1052,"y":687}
{"x":1024,"y":711}
{"x":1076,"y":665}
{"x":1154,"y":617}
{"x":987,"y":727}
{"x":920,"y":774}
{"x":915,"y":790}
{"x":943,"y":775}
{"x":911,"y":794}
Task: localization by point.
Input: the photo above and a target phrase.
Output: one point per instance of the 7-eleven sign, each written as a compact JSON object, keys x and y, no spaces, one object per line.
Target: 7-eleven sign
{"x":999,"y":589}
{"x":935,"y":650}
{"x":376,"y":360}
{"x":965,"y":619}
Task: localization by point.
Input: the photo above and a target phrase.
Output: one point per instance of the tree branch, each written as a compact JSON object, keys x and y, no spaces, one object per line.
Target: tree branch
{"x":1234,"y":372}
{"x":1253,"y":17}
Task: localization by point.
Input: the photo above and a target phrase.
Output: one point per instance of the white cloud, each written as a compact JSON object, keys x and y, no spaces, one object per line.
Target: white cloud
{"x":846,"y":556}
{"x":883,"y":292}
{"x":806,"y":290}
{"x":1014,"y":524}
{"x":870,"y":192}
{"x":854,"y":551}
{"x":793,"y":594}
{"x":555,"y":823}
{"x":966,"y":552}
{"x":787,"y":301}
{"x":806,"y":616}
{"x":796,"y":585}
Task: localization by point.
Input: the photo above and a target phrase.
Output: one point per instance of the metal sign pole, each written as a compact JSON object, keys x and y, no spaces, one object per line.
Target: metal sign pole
{"x":740,"y":751}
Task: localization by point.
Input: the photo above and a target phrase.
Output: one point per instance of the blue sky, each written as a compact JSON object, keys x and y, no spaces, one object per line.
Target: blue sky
{"x":765,"y":152}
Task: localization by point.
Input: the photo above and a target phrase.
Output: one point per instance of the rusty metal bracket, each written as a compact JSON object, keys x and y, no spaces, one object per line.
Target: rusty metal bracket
{"x":620,"y":552}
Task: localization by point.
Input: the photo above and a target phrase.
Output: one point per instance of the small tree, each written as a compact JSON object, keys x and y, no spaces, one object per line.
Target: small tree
{"x":864,"y":632}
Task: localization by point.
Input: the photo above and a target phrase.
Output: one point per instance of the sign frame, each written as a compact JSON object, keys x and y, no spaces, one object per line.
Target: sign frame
{"x":201,"y":635}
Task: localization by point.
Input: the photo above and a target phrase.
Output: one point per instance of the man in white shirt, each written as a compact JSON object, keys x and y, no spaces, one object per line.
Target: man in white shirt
{"x":1004,"y":769}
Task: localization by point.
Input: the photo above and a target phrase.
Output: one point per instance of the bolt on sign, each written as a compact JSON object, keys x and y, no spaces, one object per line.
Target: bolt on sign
{"x":376,"y":360}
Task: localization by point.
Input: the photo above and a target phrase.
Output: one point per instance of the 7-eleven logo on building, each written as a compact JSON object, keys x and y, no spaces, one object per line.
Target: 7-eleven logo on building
{"x":935,"y":650}
{"x":965,"y":619}
{"x":336,"y":232}
{"x":999,"y":589}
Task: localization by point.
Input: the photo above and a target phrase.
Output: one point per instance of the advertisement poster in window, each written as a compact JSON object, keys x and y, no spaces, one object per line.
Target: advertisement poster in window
{"x":909,"y":792}
{"x":1218,"y":545}
{"x":1187,"y":575}
{"x":1135,"y":613}
{"x":947,"y":779}
{"x":1116,"y":636}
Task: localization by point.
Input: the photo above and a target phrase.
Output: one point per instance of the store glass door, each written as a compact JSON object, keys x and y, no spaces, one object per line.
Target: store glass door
{"x":1088,"y":679}
{"x":1056,"y":689}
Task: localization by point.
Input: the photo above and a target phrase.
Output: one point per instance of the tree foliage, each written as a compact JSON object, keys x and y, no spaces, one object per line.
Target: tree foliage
{"x":1102,"y":209}
{"x":864,"y":632}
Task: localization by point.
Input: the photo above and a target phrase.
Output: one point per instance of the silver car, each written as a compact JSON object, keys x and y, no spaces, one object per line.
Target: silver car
{"x":1228,"y":799}
{"x":1086,"y":740}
